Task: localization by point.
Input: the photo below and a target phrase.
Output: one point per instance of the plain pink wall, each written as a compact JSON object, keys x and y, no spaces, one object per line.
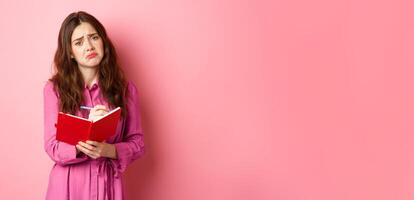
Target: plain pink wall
{"x":241,"y":99}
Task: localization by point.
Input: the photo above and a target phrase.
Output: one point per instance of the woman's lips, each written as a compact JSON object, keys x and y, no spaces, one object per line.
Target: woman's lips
{"x":92,"y":55}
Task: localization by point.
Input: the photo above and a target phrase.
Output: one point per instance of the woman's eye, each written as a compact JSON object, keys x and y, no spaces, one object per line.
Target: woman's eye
{"x":77,"y":43}
{"x":95,"y":37}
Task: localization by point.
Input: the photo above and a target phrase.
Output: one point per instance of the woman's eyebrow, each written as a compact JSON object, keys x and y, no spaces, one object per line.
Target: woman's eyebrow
{"x":82,"y":36}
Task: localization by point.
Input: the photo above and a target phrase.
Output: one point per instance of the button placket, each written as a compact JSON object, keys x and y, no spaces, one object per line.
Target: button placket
{"x":94,"y":167}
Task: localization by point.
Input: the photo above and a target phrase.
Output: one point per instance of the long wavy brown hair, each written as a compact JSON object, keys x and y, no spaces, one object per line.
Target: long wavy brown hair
{"x":68,"y":80}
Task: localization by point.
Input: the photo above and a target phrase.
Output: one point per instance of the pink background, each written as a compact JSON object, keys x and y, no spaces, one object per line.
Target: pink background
{"x":288,"y":100}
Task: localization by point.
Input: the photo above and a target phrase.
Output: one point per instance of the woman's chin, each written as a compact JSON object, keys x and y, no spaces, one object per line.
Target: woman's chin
{"x":91,"y":63}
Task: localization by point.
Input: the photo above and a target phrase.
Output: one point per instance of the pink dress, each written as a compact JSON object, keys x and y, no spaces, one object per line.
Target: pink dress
{"x":79,"y":176}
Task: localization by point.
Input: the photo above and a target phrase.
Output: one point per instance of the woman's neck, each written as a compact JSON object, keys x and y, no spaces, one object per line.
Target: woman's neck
{"x":89,"y":75}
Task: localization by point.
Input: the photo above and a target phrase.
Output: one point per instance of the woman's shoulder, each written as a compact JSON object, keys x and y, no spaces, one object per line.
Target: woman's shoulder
{"x":49,"y":88}
{"x":132,"y":88}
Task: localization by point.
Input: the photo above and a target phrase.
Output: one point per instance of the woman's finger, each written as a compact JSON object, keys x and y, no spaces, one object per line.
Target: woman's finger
{"x":87,"y":146}
{"x":100,"y":107}
{"x":97,"y":113}
{"x":83,"y":149}
{"x":94,"y":143}
{"x":87,"y":151}
{"x":99,"y":147}
{"x":100,"y":112}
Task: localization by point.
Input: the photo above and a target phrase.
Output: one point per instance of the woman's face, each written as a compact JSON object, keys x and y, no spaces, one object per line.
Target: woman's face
{"x":87,"y":46}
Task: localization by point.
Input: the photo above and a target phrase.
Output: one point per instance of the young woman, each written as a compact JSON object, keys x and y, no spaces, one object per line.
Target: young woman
{"x":87,"y":74}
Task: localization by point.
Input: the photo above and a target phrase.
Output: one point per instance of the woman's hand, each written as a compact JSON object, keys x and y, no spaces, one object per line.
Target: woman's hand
{"x":97,"y":112}
{"x":96,"y":150}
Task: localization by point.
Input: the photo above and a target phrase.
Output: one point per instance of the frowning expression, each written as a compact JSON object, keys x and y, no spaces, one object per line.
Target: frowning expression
{"x":87,"y":46}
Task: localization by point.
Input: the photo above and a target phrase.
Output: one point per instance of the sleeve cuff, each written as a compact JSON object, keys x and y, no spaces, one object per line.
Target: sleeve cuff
{"x":67,"y":154}
{"x":123,"y":154}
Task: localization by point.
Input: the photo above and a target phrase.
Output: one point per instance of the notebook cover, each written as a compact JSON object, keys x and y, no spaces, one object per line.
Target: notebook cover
{"x":105,"y":127}
{"x":72,"y":129}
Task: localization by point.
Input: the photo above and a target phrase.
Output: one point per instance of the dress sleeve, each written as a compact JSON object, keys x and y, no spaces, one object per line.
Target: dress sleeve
{"x":132,"y":145}
{"x":60,"y":152}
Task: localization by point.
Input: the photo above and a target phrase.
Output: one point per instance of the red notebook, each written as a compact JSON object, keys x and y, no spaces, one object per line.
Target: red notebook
{"x":72,"y":129}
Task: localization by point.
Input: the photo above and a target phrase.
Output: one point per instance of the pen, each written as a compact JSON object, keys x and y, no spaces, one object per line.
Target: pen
{"x":86,"y":107}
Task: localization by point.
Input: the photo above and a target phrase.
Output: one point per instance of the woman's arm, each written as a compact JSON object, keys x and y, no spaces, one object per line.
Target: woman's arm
{"x":132,"y":146}
{"x":60,"y":152}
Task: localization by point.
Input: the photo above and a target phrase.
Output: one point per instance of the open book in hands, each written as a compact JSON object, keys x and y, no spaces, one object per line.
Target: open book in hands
{"x":72,"y":129}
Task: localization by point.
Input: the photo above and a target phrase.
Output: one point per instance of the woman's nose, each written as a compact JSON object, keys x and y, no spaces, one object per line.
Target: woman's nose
{"x":89,"y":45}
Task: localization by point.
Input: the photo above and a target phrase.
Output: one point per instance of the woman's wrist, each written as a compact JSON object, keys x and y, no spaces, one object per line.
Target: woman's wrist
{"x":111,"y":151}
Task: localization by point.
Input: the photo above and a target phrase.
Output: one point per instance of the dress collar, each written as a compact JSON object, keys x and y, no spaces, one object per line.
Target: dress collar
{"x":93,"y":85}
